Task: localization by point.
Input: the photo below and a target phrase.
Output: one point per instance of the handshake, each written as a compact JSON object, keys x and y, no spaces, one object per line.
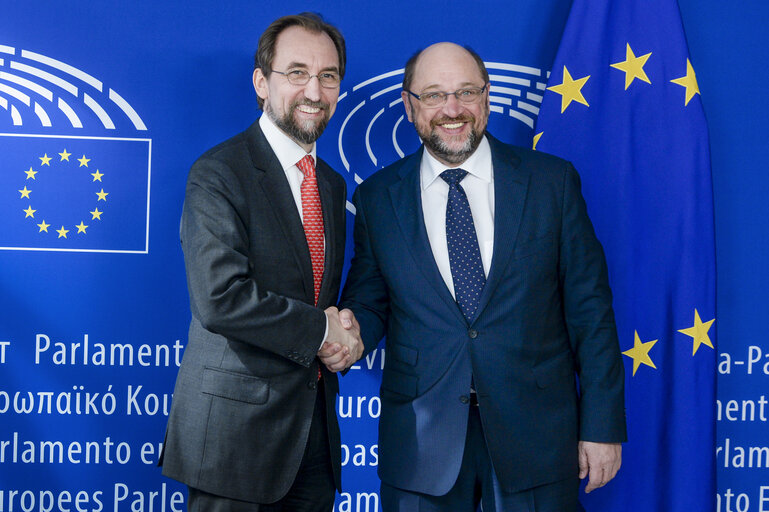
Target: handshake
{"x":343,"y":345}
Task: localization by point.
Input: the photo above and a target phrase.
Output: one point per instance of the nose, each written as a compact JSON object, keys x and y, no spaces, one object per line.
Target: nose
{"x":453,"y":106}
{"x":312,"y":89}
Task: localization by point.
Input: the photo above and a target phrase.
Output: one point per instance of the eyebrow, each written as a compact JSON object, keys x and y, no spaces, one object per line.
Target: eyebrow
{"x":437,"y":87}
{"x":302,"y":65}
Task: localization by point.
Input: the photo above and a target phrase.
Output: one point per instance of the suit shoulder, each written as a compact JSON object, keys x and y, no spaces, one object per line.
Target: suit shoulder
{"x":234,"y":158}
{"x":541,"y":166}
{"x":226,"y":151}
{"x":540,"y":158}
{"x":528,"y":156}
{"x":390,"y":174}
{"x":223,"y":168}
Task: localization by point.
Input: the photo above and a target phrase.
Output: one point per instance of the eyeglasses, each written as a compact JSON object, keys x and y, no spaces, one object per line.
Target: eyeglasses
{"x":327,"y":79}
{"x":438,"y":98}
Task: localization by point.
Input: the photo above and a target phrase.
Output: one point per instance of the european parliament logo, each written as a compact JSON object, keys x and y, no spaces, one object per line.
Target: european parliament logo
{"x":74,"y":192}
{"x":375,"y":132}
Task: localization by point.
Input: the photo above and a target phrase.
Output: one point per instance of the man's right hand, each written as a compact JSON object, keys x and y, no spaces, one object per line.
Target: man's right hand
{"x":343,"y":346}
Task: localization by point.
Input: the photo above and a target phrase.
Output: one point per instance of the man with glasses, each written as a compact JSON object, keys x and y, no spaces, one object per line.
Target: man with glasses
{"x":253,"y":425}
{"x":479,"y":264}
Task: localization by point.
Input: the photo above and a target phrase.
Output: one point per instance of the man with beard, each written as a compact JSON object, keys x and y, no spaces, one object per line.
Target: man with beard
{"x":253,"y":425}
{"x":478,"y":262}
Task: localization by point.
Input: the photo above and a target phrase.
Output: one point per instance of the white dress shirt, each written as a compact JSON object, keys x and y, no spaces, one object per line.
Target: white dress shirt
{"x":289,"y":153}
{"x":479,"y":188}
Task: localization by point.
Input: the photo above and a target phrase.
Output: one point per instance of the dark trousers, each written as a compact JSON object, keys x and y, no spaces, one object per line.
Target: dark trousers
{"x":477,"y":488}
{"x":313,"y":489}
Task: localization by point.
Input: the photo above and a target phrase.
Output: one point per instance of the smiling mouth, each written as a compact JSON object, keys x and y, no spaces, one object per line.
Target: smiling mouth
{"x":451,"y":123}
{"x":307,"y":109}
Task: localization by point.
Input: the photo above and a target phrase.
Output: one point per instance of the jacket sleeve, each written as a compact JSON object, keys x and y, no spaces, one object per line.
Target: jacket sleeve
{"x":365,"y":291}
{"x":589,"y":318}
{"x":224,"y":297}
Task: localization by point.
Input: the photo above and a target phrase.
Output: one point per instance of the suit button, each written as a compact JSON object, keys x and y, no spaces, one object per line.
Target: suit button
{"x":312,"y":384}
{"x":472,"y":333}
{"x":464,"y":399}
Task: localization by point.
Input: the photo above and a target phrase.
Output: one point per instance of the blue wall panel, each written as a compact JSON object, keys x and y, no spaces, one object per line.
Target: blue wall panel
{"x":184,"y":68}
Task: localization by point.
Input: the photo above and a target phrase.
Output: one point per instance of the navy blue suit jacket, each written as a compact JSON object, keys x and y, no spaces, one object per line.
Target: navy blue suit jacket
{"x":545,"y":317}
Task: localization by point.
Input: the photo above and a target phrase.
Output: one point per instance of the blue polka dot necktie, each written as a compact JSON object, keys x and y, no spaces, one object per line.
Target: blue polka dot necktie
{"x":464,"y":253}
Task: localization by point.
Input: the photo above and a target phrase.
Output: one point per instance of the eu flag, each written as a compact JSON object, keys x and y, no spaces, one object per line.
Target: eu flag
{"x":623,"y":105}
{"x":81,"y":194}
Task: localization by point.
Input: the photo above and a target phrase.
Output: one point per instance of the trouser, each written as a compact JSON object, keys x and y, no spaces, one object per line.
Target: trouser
{"x":477,"y":487}
{"x":313,"y":489}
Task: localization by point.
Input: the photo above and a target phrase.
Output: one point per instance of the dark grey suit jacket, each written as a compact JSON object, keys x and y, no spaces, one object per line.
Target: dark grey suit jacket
{"x":246,"y":388}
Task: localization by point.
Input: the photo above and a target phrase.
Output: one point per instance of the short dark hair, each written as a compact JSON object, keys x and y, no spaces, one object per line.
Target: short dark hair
{"x":310,"y":21}
{"x":411,"y":64}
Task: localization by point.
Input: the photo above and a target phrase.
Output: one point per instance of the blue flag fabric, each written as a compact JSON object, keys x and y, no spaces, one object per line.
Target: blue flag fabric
{"x":623,"y":105}
{"x":82,"y":194}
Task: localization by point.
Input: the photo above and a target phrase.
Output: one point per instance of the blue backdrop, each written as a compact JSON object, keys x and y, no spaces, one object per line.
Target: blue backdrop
{"x":105,"y":105}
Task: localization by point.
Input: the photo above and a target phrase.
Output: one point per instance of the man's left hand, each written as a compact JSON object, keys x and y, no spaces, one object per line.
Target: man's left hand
{"x":600,"y":460}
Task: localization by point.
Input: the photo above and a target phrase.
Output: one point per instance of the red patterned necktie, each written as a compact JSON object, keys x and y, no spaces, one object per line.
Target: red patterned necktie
{"x":313,"y":220}
{"x":312,"y":217}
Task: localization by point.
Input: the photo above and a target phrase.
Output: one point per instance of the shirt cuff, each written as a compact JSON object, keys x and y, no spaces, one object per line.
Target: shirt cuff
{"x":325,"y":334}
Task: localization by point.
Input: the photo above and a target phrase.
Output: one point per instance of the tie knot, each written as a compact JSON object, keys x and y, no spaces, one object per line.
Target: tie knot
{"x":453,"y":176}
{"x":307,"y":166}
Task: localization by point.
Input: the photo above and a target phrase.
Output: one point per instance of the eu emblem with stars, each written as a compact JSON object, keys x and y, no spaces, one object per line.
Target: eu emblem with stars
{"x":82,"y":194}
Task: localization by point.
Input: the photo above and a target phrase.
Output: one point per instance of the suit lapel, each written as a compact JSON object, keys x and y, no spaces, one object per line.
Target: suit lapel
{"x":510,"y":188}
{"x":327,"y":205}
{"x":407,"y":204}
{"x":278,"y":193}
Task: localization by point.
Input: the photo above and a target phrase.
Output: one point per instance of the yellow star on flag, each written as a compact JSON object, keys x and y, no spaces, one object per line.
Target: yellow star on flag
{"x":64,"y":155}
{"x":633,"y":67}
{"x":570,"y":90}
{"x":536,"y":140}
{"x":102,"y":195}
{"x":43,"y":227}
{"x":30,"y":173}
{"x":699,"y":332}
{"x":29,"y":212}
{"x":640,"y":353}
{"x":96,"y":214}
{"x":97,"y":175}
{"x":689,"y":82}
{"x":81,"y":227}
{"x":62,"y":232}
{"x":25,"y":193}
{"x":45,"y":160}
{"x":83,"y":161}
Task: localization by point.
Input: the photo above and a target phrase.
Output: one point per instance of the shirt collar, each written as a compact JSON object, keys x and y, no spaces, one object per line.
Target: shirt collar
{"x":479,"y":165}
{"x":287,"y":151}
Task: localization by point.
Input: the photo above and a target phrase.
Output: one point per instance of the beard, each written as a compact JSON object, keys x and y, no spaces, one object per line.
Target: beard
{"x":305,"y":132}
{"x":455,"y":150}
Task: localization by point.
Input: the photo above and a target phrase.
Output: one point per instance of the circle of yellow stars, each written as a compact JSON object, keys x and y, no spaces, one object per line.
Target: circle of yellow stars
{"x":29,"y":212}
{"x":570,"y":88}
{"x":698,"y":333}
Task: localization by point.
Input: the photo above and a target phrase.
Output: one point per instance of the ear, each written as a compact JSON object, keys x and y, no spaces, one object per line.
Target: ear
{"x":407,"y":105}
{"x":260,"y":83}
